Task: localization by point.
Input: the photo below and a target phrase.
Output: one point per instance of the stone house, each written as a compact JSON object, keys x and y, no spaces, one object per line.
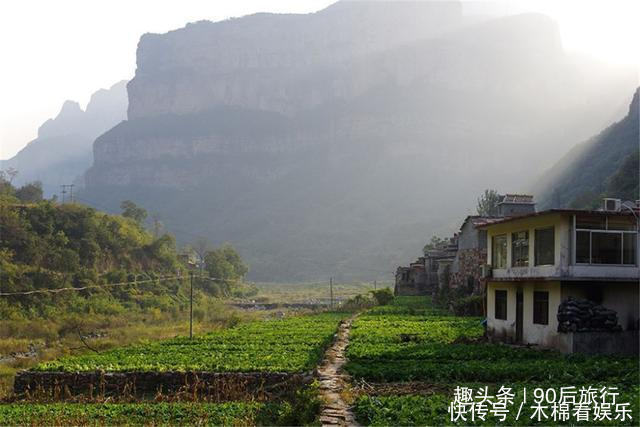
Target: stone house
{"x":471,"y":256}
{"x":541,"y":260}
{"x":412,"y":280}
{"x":427,"y":273}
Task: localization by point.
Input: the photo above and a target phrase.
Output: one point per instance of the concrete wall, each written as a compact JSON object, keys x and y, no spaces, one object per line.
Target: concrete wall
{"x":542,"y":335}
{"x":618,"y":296}
{"x":563,"y":265}
{"x":627,"y":342}
{"x":561,"y":224}
{"x":623,"y":297}
{"x":502,"y":330}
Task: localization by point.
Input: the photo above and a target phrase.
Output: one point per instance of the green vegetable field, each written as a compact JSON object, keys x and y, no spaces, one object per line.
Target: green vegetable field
{"x":409,"y":341}
{"x":289,"y":345}
{"x":144,"y":413}
{"x":432,"y":410}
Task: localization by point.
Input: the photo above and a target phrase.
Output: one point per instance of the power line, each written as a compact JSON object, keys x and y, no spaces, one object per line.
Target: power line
{"x":54,"y":291}
{"x":135,"y":282}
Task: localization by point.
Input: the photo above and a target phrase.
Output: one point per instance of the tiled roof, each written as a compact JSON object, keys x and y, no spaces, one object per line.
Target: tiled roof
{"x":517,"y":198}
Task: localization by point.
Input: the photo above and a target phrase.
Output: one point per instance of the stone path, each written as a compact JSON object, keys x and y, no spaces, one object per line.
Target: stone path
{"x":333,"y":380}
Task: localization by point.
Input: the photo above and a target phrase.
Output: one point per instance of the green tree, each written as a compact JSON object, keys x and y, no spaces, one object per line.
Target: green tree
{"x":433,"y":243}
{"x":30,"y":193}
{"x":225,"y":263}
{"x":488,"y":203}
{"x":133,"y":211}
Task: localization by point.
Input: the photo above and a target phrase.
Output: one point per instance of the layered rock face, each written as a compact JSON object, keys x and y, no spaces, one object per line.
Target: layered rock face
{"x":62,"y":152}
{"x":336,"y":143}
{"x":283,"y":63}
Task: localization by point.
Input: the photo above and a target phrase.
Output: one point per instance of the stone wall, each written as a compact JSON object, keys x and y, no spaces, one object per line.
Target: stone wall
{"x":210,"y":385}
{"x":470,"y":262}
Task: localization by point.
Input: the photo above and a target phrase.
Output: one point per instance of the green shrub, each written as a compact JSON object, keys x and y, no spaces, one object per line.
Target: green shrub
{"x":383,"y":296}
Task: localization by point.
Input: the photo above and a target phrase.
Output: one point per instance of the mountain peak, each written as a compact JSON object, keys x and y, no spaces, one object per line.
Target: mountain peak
{"x":70,"y":107}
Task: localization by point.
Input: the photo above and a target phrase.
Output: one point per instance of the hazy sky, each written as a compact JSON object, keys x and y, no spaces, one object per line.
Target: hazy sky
{"x":68,"y":49}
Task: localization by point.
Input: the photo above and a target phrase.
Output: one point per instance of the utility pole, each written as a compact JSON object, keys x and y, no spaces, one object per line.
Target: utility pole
{"x":64,"y":191}
{"x":191,"y":308}
{"x":375,"y":285}
{"x":331,"y":290}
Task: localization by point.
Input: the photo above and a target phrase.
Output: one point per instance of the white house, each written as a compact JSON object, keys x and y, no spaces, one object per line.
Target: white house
{"x":538,"y":260}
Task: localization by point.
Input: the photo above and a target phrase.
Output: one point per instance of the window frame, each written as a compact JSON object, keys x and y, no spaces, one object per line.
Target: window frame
{"x":504,"y":297}
{"x":513,"y":252}
{"x":506,"y":249}
{"x":537,"y":315}
{"x":535,"y":246}
{"x":622,"y":234}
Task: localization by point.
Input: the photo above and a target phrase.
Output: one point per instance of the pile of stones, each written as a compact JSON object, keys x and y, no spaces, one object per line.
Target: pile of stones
{"x":580,"y":315}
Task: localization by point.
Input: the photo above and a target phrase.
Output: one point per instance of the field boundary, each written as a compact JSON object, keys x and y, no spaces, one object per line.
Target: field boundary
{"x":212,"y":386}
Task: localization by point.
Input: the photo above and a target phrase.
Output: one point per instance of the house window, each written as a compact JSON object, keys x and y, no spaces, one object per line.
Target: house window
{"x":501,"y":305}
{"x":606,"y":248}
{"x":499,"y":251}
{"x":605,"y":240}
{"x":545,"y":246}
{"x":541,"y":308}
{"x":520,"y":249}
{"x":583,"y":247}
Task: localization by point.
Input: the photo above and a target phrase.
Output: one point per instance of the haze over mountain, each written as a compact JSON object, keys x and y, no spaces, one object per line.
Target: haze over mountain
{"x":607,"y":165}
{"x":336,"y":143}
{"x":62,"y":152}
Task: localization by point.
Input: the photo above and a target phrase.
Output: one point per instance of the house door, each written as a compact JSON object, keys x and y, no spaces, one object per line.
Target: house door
{"x":519,"y":306}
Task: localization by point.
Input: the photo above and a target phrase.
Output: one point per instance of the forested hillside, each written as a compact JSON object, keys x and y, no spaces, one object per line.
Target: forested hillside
{"x":605,"y":166}
{"x":46,"y":245}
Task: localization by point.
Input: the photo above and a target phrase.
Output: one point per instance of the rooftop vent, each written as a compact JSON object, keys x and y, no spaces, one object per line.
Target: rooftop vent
{"x":612,"y":205}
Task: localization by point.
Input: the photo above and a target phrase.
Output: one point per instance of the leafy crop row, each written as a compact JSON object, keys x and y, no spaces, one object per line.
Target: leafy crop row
{"x":289,"y":345}
{"x":432,"y":410}
{"x":232,"y":413}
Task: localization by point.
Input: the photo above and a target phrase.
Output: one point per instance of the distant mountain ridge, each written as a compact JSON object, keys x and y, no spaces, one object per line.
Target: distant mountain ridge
{"x":607,"y":165}
{"x":318,"y":153}
{"x":62,"y":152}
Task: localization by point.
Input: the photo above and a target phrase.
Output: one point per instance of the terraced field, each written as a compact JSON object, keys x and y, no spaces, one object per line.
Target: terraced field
{"x":410,"y":341}
{"x":289,"y":345}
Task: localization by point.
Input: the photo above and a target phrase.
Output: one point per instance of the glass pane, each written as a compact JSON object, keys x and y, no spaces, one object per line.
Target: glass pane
{"x":582,"y":247}
{"x":499,"y":251}
{"x":545,"y":247}
{"x":595,"y":222}
{"x":501,"y":305}
{"x":606,"y":248}
{"x":541,"y":308}
{"x":520,"y":249}
{"x":629,"y":251}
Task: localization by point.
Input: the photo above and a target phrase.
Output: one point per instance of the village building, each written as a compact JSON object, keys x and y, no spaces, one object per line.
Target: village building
{"x":413,"y":279}
{"x":467,"y":269}
{"x":427,"y":273}
{"x":545,"y":266}
{"x":459,"y":261}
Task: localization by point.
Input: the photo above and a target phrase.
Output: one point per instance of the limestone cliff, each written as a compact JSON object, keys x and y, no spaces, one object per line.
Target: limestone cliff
{"x":336,"y":143}
{"x":282,"y":63}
